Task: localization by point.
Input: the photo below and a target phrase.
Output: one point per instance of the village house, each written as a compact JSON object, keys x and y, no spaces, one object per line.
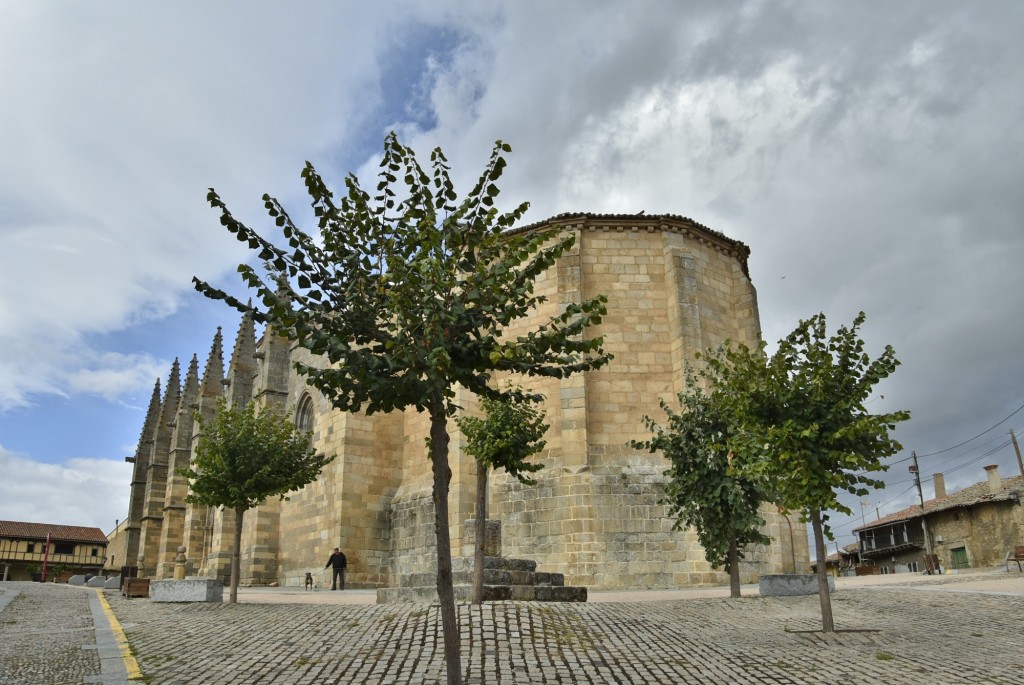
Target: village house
{"x":972,"y":528}
{"x":25,"y":548}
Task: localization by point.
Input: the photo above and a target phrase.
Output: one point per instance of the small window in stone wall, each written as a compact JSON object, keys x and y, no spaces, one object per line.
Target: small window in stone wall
{"x":64,"y":548}
{"x":304,"y":415}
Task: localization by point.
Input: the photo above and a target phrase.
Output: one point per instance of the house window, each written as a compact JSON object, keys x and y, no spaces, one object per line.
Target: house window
{"x":31,"y":548}
{"x":95,"y":551}
{"x":64,"y":548}
{"x":912,"y":566}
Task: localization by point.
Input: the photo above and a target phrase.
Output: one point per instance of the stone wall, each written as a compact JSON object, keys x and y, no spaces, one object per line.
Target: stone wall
{"x":674,"y":288}
{"x":986,"y":531}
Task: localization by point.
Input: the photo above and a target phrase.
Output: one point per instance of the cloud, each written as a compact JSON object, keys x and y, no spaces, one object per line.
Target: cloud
{"x":81,"y":492}
{"x":870,"y":164}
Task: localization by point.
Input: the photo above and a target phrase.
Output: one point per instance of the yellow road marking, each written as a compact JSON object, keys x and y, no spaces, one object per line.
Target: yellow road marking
{"x":130,"y":664}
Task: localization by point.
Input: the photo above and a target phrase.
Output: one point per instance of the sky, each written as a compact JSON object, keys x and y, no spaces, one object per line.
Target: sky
{"x":870,"y":154}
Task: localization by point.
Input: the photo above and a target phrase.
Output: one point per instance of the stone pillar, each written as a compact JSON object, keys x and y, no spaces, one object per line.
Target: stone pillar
{"x":179,"y":564}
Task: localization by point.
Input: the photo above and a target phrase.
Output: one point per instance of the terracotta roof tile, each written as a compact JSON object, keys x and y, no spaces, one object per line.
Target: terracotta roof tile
{"x":979,"y":493}
{"x":38,"y":531}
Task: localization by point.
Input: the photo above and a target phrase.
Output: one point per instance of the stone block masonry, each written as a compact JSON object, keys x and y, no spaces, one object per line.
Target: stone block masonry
{"x":674,"y":288}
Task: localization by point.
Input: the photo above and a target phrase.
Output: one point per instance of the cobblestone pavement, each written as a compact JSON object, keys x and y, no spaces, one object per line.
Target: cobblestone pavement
{"x":893,"y":635}
{"x":52,"y":635}
{"x":48,"y":636}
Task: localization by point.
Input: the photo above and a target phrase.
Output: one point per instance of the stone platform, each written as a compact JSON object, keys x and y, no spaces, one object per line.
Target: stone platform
{"x":791,"y":584}
{"x":504,"y":579}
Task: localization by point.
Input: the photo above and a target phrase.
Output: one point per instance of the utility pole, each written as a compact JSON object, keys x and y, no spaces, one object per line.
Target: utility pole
{"x":924,"y":523}
{"x":1016,"y":448}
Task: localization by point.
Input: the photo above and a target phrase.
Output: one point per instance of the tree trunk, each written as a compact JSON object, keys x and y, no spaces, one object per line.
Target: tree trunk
{"x":481,"y":533}
{"x":445,"y":592}
{"x":734,"y":569}
{"x":236,"y":556}
{"x":821,"y":554}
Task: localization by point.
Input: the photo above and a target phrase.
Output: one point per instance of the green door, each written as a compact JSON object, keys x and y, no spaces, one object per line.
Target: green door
{"x":958,"y":556}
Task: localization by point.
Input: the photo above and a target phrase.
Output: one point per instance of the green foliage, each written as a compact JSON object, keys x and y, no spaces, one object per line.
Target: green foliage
{"x":507,"y":436}
{"x":707,"y":488}
{"x":245,"y":456}
{"x":407,"y":292}
{"x":803,"y":409}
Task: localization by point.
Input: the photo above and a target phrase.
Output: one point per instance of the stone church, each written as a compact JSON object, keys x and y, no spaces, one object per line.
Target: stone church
{"x":674,"y":288}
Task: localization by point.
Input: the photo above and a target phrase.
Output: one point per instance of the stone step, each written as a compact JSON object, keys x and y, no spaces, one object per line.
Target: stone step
{"x":497,"y":571}
{"x":492,"y":593}
{"x":504,"y":579}
{"x":498,"y":563}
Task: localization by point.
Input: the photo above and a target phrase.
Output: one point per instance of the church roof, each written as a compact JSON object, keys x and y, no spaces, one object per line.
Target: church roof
{"x":666,"y":222}
{"x":39,"y":531}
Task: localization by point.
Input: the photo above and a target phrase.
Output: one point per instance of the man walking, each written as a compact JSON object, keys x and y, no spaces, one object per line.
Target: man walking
{"x":338,"y":562}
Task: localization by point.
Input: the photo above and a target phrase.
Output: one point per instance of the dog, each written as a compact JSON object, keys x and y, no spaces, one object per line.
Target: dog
{"x":309,"y":581}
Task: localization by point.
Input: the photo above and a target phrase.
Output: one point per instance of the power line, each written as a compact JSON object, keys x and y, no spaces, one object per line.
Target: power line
{"x":948,"y":449}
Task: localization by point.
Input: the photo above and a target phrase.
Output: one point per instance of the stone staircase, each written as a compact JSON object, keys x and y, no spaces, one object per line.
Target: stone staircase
{"x":504,"y":579}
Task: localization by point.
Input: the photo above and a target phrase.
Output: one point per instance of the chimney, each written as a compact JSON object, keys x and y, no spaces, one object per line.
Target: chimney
{"x":939,"y":481}
{"x":995,"y":483}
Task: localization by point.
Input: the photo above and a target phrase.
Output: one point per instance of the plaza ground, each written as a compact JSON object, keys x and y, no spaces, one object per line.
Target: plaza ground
{"x":890,"y":629}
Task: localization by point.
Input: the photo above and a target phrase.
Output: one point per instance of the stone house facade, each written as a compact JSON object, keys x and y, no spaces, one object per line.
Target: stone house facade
{"x":674,"y":288}
{"x":972,"y":528}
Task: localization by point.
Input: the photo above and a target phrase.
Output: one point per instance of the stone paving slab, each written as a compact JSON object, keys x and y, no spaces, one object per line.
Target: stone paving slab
{"x":896,"y":636}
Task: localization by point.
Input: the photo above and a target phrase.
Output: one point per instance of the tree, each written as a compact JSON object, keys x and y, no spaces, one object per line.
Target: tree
{"x":405,"y":297}
{"x":804,"y":409}
{"x":505,"y":438}
{"x":707,"y":489}
{"x":244,"y":457}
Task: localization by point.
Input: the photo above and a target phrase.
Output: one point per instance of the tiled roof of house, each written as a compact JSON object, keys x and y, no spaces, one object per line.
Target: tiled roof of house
{"x":38,"y":531}
{"x":973,"y":495}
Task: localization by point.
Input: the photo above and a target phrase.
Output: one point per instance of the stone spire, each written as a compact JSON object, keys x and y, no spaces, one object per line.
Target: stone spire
{"x":169,"y":407}
{"x":190,"y":394}
{"x":213,"y":374}
{"x":198,"y":517}
{"x":172,"y":529}
{"x":149,"y":425}
{"x":242,"y":368}
{"x":156,"y":476}
{"x":137,"y":499}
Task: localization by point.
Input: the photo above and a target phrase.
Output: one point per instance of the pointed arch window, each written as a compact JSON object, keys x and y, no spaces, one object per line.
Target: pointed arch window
{"x":304,"y":416}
